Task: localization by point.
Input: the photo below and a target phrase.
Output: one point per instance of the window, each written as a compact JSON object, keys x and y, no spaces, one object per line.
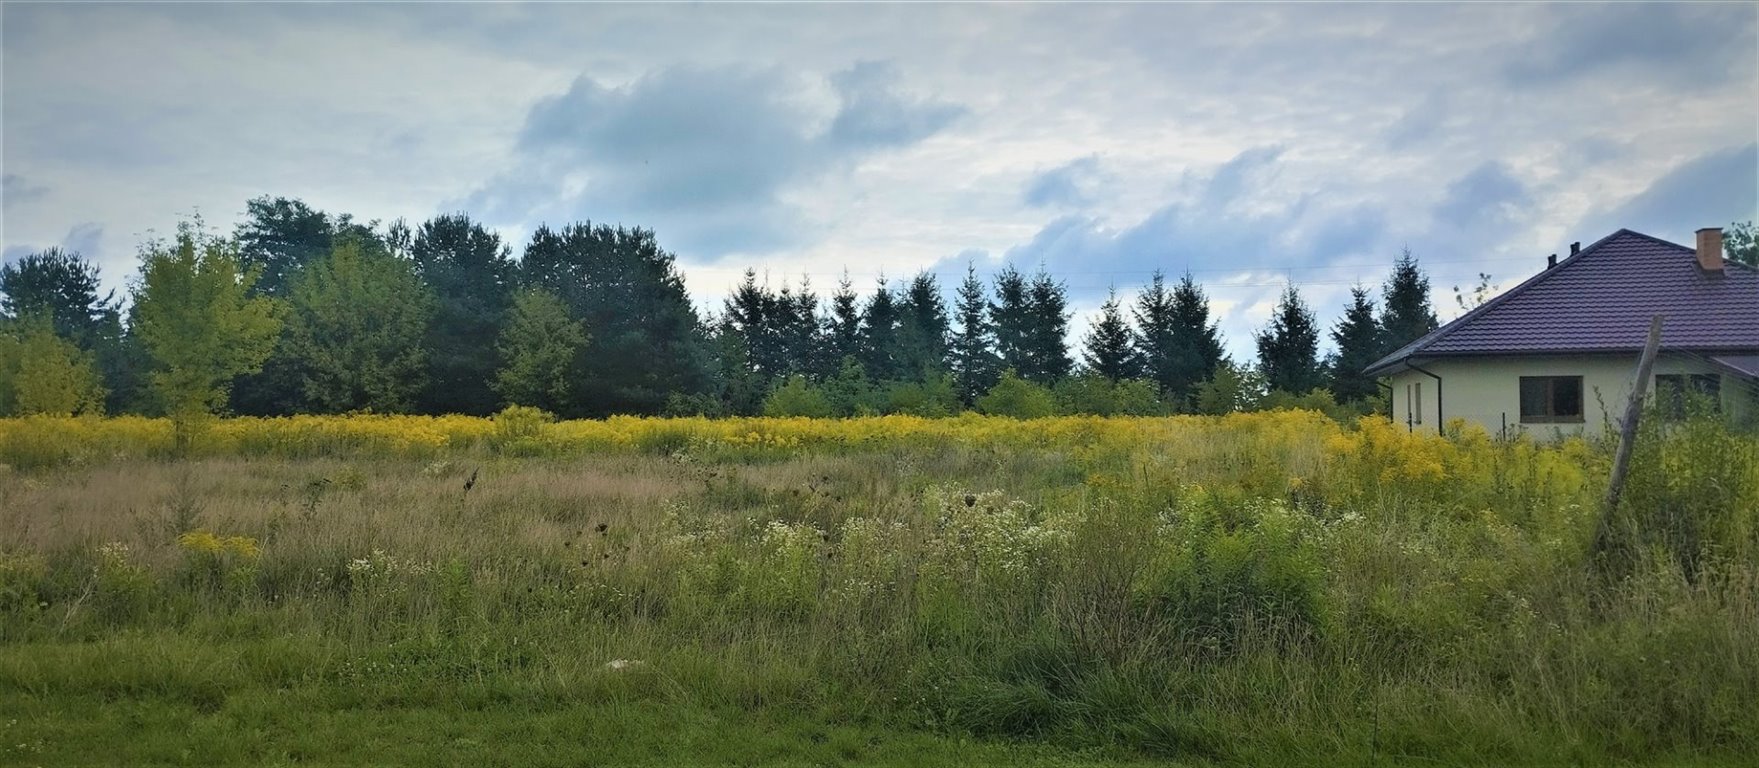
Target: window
{"x":1551,"y":399}
{"x":1678,"y":392}
{"x":1417,"y":402}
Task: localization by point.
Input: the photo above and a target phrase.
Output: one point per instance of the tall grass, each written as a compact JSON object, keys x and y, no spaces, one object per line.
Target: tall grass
{"x":1257,"y":588}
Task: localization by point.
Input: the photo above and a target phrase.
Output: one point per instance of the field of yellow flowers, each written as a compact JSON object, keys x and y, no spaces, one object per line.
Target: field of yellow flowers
{"x":1267,"y":588}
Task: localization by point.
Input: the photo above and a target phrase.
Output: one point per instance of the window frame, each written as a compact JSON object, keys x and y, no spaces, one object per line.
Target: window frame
{"x":1681,"y":386}
{"x":1551,"y":416}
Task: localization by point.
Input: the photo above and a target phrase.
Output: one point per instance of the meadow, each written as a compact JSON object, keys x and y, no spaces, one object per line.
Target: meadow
{"x":1265,"y":588}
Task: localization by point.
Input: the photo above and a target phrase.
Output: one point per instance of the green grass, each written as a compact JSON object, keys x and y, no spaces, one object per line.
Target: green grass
{"x":1252,"y":597}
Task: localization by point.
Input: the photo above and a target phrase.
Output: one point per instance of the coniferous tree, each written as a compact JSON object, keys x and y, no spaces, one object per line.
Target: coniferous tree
{"x":922,"y":330}
{"x":1110,"y":348}
{"x":1288,"y":350}
{"x":1196,"y":339}
{"x":1406,"y":312}
{"x":1011,"y":318}
{"x":1157,"y":337}
{"x":1357,"y":337}
{"x":879,"y":335}
{"x":472,"y":276}
{"x":972,"y":357}
{"x":1047,"y":310}
{"x":798,"y":327}
{"x":646,"y":345}
{"x":842,"y":329}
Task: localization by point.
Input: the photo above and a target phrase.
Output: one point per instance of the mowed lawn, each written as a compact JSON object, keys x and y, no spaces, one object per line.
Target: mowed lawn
{"x":1264,"y":589}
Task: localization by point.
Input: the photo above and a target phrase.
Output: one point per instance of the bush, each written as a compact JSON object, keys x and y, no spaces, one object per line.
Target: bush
{"x":797,"y":397}
{"x":1017,"y":398}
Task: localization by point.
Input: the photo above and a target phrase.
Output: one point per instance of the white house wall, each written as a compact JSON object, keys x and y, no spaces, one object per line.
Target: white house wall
{"x":1488,"y":390}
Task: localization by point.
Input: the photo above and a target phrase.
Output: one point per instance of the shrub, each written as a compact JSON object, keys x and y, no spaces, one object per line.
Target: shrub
{"x":797,"y":397}
{"x":1017,"y":398}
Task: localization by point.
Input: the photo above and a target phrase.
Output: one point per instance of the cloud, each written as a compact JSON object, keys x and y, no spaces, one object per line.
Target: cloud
{"x":707,"y":157}
{"x":1070,"y":185}
{"x":1711,"y":190}
{"x":1686,"y":45}
{"x":1488,"y":198}
{"x":16,"y":190}
{"x":84,"y":239}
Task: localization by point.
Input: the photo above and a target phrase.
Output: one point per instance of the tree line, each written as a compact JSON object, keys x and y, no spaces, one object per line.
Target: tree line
{"x":302,"y":311}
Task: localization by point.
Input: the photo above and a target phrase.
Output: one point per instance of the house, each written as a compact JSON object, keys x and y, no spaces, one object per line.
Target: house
{"x":1557,"y":354}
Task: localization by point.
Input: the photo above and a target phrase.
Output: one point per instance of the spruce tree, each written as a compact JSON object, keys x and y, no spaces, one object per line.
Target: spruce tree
{"x":922,"y":330}
{"x":1047,"y":309}
{"x":973,"y":359}
{"x":1406,"y":312}
{"x":1110,"y":348}
{"x":1357,"y":337}
{"x":1197,"y":338}
{"x":842,"y":329}
{"x":1288,"y":350}
{"x":1010,"y":317}
{"x":879,"y":335}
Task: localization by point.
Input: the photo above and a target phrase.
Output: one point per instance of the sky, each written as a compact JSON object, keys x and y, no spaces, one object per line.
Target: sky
{"x":1250,"y":144}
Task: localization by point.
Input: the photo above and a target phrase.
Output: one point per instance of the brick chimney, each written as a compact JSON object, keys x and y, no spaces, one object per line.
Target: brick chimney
{"x":1710,"y":249}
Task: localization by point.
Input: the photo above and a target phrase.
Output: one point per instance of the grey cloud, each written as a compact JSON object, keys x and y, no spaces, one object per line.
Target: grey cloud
{"x":875,"y":114}
{"x":1690,"y":45}
{"x":84,"y":239}
{"x":705,"y":156}
{"x":1711,"y":190}
{"x":1071,"y":184}
{"x":1489,"y":197}
{"x":1418,"y":124}
{"x":16,"y":190}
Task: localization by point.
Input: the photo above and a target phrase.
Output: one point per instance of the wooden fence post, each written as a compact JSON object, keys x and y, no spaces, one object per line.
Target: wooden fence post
{"x":1621,"y":462}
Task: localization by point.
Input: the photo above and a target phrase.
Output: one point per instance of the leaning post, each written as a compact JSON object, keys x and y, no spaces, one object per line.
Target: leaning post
{"x":1621,"y":462}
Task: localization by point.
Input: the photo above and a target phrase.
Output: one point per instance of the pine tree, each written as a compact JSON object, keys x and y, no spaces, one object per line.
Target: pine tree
{"x":922,"y":330}
{"x":879,"y":335}
{"x":1288,"y":350}
{"x":1110,"y":348}
{"x":1357,"y":337}
{"x":973,"y":360}
{"x":1406,"y":312}
{"x":1047,"y":309}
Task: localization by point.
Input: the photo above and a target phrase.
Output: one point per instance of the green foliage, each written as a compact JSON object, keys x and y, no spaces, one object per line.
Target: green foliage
{"x":1110,"y":350}
{"x":931,"y":397}
{"x":539,"y":346}
{"x":879,"y":335}
{"x":1181,"y":347}
{"x":851,"y":392}
{"x":1016,"y":397}
{"x":1741,"y":244}
{"x":1288,"y":350}
{"x":64,"y":287}
{"x":42,"y":373}
{"x":1089,"y":394}
{"x":1406,"y":313}
{"x":1692,"y":495}
{"x":195,"y":316}
{"x":472,"y":276}
{"x":972,"y":356}
{"x":798,"y":397}
{"x":922,"y":330}
{"x":355,"y":324}
{"x":1357,"y":338}
{"x":647,"y":344}
{"x":1231,"y":390}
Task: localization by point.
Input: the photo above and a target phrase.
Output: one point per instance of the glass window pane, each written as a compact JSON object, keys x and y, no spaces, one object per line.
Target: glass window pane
{"x":1566,"y":396}
{"x":1533,"y":397}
